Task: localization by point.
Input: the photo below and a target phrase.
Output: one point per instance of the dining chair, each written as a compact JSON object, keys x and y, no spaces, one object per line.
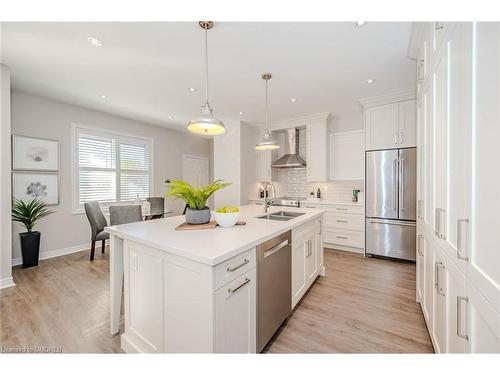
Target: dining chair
{"x":157,"y":207}
{"x":124,"y":214}
{"x":97,"y":223}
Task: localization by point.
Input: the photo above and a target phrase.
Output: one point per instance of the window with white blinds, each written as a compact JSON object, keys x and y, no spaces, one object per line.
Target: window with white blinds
{"x":110,"y":167}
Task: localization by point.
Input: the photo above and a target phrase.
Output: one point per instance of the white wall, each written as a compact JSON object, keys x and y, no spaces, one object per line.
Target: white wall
{"x":227,"y":164}
{"x":348,"y":123}
{"x":5,"y":184}
{"x":41,"y":117}
{"x":248,"y":181}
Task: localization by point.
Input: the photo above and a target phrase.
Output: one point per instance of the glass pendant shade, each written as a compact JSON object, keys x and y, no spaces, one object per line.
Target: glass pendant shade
{"x":206,"y":124}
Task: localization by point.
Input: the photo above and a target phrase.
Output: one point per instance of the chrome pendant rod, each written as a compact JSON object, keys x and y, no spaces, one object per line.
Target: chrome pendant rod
{"x":206,"y":64}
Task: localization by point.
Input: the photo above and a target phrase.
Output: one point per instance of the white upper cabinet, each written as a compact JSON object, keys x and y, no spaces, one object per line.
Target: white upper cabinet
{"x":391,"y":126}
{"x":382,"y":126}
{"x":483,"y":268}
{"x":317,"y":149}
{"x":263,"y":165}
{"x":347,"y":153}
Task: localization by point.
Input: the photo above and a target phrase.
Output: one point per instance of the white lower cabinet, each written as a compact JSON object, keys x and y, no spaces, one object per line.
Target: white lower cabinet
{"x":439,"y":305}
{"x":235,"y":315}
{"x":481,"y":323}
{"x":307,"y":259}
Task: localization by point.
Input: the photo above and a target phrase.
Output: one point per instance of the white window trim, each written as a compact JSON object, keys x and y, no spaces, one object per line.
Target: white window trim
{"x":75,"y":170}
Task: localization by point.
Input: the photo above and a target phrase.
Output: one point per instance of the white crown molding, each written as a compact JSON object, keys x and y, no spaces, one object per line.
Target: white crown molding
{"x":57,"y":252}
{"x":7,"y":282}
{"x":399,"y":96}
{"x":416,"y":37}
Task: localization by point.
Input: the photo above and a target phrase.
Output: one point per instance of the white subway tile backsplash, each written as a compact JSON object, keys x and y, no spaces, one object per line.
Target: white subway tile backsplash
{"x":292,"y":182}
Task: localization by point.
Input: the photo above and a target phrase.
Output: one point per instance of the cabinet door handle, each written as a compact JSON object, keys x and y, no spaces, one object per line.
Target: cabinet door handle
{"x":342,"y":237}
{"x":438,"y":26}
{"x":420,"y":71}
{"x":438,"y":212}
{"x":341,"y":221}
{"x":459,"y":318}
{"x":401,"y":137}
{"x":420,"y":205}
{"x":232,"y":269}
{"x":437,"y":284}
{"x":459,"y":239}
{"x":419,"y":244}
{"x":340,"y":209}
{"x":396,"y":138}
{"x":247,"y":280}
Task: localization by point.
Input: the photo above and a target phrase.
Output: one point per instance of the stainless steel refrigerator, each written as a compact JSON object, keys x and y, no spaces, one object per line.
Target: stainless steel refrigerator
{"x":390,"y":203}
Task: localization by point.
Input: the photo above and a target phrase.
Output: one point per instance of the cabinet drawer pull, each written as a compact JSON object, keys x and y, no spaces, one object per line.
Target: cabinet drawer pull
{"x":459,"y":318}
{"x":340,"y":209}
{"x":341,"y":221}
{"x":247,"y":280}
{"x":438,"y":26}
{"x":459,"y":239}
{"x":342,"y":237}
{"x":232,"y":269}
{"x":438,"y":230}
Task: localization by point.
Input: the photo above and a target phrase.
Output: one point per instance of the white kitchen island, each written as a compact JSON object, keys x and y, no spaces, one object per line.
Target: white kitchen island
{"x":195,"y":291}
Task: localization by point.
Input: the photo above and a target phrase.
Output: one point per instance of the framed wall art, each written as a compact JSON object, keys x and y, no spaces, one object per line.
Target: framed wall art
{"x":27,"y":186}
{"x":35,"y":154}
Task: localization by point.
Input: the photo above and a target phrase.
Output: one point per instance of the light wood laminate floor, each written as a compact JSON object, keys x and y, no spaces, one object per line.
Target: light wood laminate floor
{"x":361,"y":306}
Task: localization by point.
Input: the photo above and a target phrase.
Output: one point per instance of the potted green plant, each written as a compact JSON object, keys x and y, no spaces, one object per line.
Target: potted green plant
{"x":28,"y":213}
{"x":197,"y":211}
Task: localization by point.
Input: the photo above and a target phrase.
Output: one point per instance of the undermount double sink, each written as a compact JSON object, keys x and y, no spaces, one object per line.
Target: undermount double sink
{"x":281,"y":215}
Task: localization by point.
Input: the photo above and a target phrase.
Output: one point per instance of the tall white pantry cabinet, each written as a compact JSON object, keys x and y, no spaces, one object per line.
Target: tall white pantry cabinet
{"x":458,"y":189}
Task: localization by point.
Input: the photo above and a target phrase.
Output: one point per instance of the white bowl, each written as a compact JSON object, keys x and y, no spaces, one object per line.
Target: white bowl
{"x":226,"y":220}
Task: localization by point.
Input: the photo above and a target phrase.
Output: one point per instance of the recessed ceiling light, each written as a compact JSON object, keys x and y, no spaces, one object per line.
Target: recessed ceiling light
{"x":104,"y":96}
{"x":170,"y":117}
{"x":359,"y":24}
{"x":94,"y":42}
{"x":293,"y":100}
{"x":192,"y":89}
{"x":370,"y":80}
{"x":241,"y":113}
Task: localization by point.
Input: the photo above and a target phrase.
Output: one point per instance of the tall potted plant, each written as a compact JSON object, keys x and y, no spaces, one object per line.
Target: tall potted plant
{"x":28,"y":213}
{"x":197,"y":211}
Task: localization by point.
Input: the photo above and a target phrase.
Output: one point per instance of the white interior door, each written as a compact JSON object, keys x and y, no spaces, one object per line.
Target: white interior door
{"x":195,"y":171}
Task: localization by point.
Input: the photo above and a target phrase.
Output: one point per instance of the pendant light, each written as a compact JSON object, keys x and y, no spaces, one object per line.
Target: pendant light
{"x":206,"y":124}
{"x":267,"y":142}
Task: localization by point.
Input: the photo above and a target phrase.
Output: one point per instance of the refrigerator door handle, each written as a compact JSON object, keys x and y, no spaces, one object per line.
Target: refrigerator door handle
{"x":392,"y":222}
{"x":402,"y":176}
{"x":394,"y":187}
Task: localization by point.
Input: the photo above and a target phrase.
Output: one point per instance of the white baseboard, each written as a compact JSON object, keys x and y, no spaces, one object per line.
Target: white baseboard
{"x":57,"y":252}
{"x":7,"y":282}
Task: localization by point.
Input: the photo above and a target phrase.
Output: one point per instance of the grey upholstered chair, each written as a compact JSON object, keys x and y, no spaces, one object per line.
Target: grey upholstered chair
{"x":124,"y":214}
{"x":157,"y":207}
{"x":97,"y":223}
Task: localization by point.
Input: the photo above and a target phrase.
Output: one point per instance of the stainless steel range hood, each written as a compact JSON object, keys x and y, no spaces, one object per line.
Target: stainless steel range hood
{"x":291,"y":159}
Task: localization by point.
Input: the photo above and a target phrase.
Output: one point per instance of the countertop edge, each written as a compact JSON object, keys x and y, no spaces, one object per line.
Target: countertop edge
{"x":212,"y":262}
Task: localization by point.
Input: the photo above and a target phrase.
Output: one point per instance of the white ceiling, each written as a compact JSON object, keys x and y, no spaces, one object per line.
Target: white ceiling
{"x":145,"y":69}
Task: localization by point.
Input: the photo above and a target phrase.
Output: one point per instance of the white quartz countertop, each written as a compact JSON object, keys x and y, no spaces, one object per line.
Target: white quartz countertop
{"x":212,"y":246}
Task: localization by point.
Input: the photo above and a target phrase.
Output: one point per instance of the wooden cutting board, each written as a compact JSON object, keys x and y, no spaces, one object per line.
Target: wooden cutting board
{"x":210,"y":225}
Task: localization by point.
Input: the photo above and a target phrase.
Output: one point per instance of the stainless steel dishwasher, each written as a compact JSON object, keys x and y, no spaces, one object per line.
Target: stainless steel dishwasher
{"x":274,"y":286}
